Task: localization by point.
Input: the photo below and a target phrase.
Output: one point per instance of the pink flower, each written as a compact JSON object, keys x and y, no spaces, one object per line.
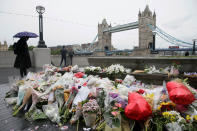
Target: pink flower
{"x":115,"y":108}
{"x":114,"y":113}
{"x":118,"y":105}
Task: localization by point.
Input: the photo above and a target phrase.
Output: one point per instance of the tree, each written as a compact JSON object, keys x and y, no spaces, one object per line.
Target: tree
{"x":10,"y":48}
{"x":31,"y":47}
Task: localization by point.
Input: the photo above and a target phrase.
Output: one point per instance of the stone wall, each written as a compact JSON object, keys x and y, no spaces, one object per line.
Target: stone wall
{"x":7,"y":59}
{"x":188,"y":64}
{"x":82,"y":61}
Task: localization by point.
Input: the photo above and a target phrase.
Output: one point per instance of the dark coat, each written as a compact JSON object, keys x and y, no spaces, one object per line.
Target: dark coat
{"x":23,"y":58}
{"x":71,"y":53}
{"x":64,"y":53}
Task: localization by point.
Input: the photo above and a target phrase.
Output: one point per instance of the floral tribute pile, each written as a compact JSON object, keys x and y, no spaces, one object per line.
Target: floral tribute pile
{"x":103,"y":104}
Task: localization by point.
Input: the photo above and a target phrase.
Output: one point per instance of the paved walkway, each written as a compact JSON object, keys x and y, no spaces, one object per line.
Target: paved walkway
{"x":10,"y":123}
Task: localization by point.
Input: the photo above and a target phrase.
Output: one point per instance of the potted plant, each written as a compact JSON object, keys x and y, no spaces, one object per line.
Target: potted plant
{"x":90,"y":111}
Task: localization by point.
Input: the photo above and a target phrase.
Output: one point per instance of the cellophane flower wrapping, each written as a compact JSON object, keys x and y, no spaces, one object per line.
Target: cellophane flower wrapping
{"x":81,"y":95}
{"x":75,"y":68}
{"x":59,"y":96}
{"x":52,"y":112}
{"x":137,"y":108}
{"x":11,"y":100}
{"x":77,"y":114}
{"x":35,"y":114}
{"x":179,"y":93}
{"x":128,"y":80}
{"x":174,"y":126}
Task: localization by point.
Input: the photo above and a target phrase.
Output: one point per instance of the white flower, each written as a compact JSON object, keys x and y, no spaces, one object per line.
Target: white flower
{"x":115,"y":69}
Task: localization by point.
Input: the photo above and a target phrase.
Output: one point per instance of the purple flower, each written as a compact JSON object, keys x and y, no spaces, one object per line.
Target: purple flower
{"x":113,"y":95}
{"x":122,"y":102}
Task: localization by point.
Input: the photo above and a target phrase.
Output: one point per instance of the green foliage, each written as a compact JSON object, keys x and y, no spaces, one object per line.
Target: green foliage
{"x":55,"y":52}
{"x":31,"y":47}
{"x":10,"y":48}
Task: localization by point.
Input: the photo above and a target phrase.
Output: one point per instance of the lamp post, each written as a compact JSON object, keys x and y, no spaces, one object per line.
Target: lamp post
{"x":154,"y":34}
{"x":41,"y":10}
{"x":194,"y":46}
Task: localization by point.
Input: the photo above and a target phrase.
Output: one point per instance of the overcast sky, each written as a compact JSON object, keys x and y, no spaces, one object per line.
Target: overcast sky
{"x":76,"y":21}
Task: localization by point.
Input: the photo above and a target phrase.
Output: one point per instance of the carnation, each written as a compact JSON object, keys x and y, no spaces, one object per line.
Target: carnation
{"x":91,"y":107}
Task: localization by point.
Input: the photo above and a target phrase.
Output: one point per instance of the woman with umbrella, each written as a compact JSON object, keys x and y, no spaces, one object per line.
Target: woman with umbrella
{"x":22,"y":61}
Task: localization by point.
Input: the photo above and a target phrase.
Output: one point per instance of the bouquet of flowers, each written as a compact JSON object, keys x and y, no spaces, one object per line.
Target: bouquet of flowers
{"x":113,"y":110}
{"x":65,"y":110}
{"x":175,"y":68}
{"x":90,"y":111}
{"x":115,"y":71}
{"x":92,"y":70}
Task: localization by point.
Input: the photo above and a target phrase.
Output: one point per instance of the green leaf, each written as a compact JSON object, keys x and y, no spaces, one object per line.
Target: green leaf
{"x":132,"y":124}
{"x":116,"y":122}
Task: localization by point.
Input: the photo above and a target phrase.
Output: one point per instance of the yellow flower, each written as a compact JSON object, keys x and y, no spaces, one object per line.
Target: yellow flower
{"x":166,"y":114}
{"x":172,"y":118}
{"x":195,"y":117}
{"x":188,"y":117}
{"x":164,"y":104}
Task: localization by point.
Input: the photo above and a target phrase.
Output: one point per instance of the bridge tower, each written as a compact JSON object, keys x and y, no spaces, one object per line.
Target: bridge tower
{"x":145,"y":33}
{"x":104,"y":38}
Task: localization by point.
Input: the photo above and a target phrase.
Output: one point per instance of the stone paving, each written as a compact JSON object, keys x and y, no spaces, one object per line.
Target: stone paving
{"x":10,"y":123}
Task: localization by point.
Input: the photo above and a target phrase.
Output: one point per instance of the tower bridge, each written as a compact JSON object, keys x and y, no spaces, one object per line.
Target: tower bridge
{"x":147,"y":30}
{"x":145,"y":33}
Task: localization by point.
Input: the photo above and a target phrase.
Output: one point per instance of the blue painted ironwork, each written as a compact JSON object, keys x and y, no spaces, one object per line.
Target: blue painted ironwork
{"x":179,"y":49}
{"x":93,"y":42}
{"x":168,"y":37}
{"x":123,"y":27}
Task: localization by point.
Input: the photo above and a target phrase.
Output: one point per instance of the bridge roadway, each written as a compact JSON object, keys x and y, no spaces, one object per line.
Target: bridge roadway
{"x":10,"y":123}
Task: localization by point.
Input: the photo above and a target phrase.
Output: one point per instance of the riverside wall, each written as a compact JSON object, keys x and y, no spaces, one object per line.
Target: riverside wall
{"x":7,"y":59}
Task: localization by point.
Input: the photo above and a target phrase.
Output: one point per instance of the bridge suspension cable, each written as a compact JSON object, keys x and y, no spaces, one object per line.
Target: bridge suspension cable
{"x":169,"y":38}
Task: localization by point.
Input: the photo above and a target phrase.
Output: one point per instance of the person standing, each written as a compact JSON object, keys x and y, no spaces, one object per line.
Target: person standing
{"x":22,"y":61}
{"x":63,"y":55}
{"x":71,"y":53}
{"x":186,"y":53}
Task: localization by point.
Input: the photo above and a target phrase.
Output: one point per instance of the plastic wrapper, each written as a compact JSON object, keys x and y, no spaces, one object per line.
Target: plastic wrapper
{"x":123,"y":90}
{"x":90,"y":119}
{"x":11,"y":100}
{"x":137,"y":108}
{"x":75,"y":68}
{"x":12,"y":82}
{"x":59,"y":96}
{"x":51,"y":111}
{"x":104,"y":83}
{"x":92,"y":82}
{"x":67,"y":104}
{"x":179,"y":93}
{"x":82,"y":95}
{"x":21,"y":94}
{"x":174,"y":71}
{"x":51,"y":97}
{"x":35,"y":99}
{"x":26,"y":97}
{"x":128,"y":80}
{"x":174,"y":126}
{"x":66,"y":94}
{"x":78,"y":113}
{"x":35,"y":114}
